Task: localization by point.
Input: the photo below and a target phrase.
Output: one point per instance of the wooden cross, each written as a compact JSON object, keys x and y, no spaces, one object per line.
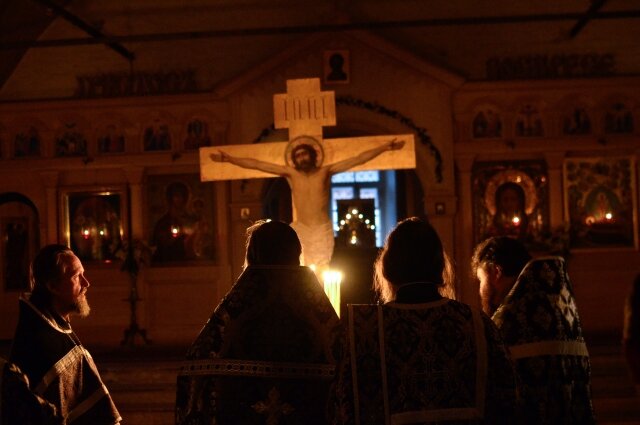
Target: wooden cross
{"x":304,"y":110}
{"x":307,"y":161}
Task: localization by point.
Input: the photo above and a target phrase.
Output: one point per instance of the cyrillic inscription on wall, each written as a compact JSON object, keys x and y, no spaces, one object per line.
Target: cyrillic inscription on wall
{"x":119,"y":84}
{"x":544,"y":66}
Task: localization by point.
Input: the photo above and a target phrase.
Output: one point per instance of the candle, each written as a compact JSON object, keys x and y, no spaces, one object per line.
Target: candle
{"x":332,"y":280}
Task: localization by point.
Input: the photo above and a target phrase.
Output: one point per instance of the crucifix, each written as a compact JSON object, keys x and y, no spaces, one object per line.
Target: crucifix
{"x":308,"y":161}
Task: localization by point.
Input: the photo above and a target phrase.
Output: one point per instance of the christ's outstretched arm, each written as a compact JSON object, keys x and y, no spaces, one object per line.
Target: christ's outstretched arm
{"x":254,"y":164}
{"x":365,"y":156}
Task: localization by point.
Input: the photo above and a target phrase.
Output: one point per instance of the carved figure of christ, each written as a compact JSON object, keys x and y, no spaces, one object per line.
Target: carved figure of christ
{"x":308,"y":162}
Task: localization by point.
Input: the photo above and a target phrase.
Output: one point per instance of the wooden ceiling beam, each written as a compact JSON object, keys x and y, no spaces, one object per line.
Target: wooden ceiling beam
{"x":596,"y":5}
{"x":355,"y":26}
{"x":95,"y":33}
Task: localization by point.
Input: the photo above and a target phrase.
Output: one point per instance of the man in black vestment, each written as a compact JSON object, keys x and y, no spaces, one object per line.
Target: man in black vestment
{"x":533,"y":306}
{"x":266,"y":354}
{"x":45,"y":348}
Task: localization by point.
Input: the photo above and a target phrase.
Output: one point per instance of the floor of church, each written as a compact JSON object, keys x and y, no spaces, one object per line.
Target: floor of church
{"x":142,"y":381}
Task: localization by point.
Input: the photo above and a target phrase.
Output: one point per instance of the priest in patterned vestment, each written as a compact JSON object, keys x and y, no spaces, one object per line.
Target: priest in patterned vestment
{"x":59,"y":368}
{"x":537,"y":316}
{"x":266,"y":355}
{"x":421,"y":358}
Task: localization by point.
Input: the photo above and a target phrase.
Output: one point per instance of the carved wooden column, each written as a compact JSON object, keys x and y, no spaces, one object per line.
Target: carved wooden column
{"x":468,"y":290}
{"x":134,"y":177}
{"x":441,"y":208}
{"x":556,"y":202}
{"x":50,"y":181}
{"x":222,"y":229}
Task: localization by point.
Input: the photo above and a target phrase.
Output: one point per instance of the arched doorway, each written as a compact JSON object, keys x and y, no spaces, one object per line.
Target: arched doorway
{"x":19,"y":242}
{"x":19,"y":239}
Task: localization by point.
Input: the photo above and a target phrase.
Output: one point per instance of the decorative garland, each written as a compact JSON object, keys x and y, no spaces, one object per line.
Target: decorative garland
{"x":421,"y":132}
{"x":375,"y":107}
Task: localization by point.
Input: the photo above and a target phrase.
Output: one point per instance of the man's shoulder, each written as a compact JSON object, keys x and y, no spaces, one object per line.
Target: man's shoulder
{"x":455,"y":306}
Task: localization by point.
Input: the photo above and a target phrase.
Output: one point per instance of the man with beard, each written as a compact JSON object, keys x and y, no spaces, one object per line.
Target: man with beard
{"x":532,"y":304}
{"x":60,"y":370}
{"x":497,"y":262}
{"x":310,"y":183}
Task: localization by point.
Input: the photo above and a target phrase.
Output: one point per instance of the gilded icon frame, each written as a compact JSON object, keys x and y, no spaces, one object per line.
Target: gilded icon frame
{"x":94,"y":222}
{"x":600,"y":202}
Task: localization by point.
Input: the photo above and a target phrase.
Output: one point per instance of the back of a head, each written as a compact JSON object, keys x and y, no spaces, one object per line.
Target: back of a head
{"x":177,"y":188}
{"x":272,"y":243}
{"x":46,"y":267}
{"x":507,"y":253}
{"x":413,"y":252}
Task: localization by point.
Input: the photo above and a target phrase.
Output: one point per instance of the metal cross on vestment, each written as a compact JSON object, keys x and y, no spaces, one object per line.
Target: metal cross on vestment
{"x":429,"y":372}
{"x":272,"y":407}
{"x":567,"y":309}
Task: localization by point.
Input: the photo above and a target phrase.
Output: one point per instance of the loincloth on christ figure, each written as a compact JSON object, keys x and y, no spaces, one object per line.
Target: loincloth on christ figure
{"x":317,"y":242}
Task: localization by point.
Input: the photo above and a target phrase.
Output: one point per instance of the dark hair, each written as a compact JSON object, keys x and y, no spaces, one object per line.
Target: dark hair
{"x":412,"y":252}
{"x":272,"y":243}
{"x":177,"y":187}
{"x":304,"y":146}
{"x":507,"y":253}
{"x":46,"y":267}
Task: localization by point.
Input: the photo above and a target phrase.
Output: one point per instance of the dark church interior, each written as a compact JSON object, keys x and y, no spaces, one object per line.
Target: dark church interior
{"x":517,"y":119}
